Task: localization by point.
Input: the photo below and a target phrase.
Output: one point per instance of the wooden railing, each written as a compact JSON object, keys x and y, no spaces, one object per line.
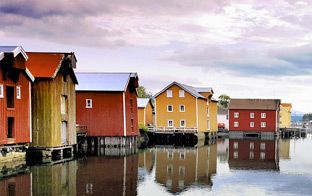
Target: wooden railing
{"x":172,"y":129}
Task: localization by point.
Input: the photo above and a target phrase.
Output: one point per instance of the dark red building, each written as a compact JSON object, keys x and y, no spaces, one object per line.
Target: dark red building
{"x":15,"y":84}
{"x":107,"y":105}
{"x":254,"y":116}
{"x":253,"y":154}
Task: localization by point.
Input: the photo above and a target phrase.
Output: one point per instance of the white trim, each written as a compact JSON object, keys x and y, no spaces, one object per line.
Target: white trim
{"x":276,"y":124}
{"x":197,"y":114}
{"x":155,"y":114}
{"x":168,"y":123}
{"x":18,"y":92}
{"x":251,"y":124}
{"x":88,"y":106}
{"x":168,"y":108}
{"x":236,"y":114}
{"x":124,"y":177}
{"x":1,"y":90}
{"x":1,"y":55}
{"x":236,"y":124}
{"x":30,"y":113}
{"x":180,"y":108}
{"x":263,"y":115}
{"x":263,"y":124}
{"x":144,"y":113}
{"x":124,"y":112}
{"x":181,"y":93}
{"x":32,"y":78}
{"x":251,"y":115}
{"x":184,"y":123}
{"x":169,"y":95}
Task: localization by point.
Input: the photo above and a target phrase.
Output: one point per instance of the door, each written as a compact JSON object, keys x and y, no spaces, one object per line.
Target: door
{"x":64,"y":133}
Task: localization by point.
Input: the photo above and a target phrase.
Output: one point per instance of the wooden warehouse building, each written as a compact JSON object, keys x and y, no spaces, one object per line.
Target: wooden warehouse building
{"x":145,"y":112}
{"x":15,"y":83}
{"x":53,"y":103}
{"x":107,"y":106}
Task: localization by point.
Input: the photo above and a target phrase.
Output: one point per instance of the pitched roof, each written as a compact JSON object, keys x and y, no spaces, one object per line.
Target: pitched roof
{"x":190,"y":89}
{"x":104,"y":81}
{"x":15,"y":50}
{"x":255,"y":104}
{"x":142,"y":102}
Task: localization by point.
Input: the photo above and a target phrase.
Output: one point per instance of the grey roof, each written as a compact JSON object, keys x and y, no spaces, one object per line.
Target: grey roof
{"x":142,"y":102}
{"x":16,"y":50}
{"x":192,"y":90}
{"x":255,"y":104}
{"x":203,"y":89}
{"x":103,"y":81}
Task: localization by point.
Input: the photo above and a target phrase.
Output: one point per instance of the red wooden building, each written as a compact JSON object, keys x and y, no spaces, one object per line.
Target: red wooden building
{"x":15,"y":83}
{"x":107,"y":105}
{"x":253,"y":154}
{"x":254,"y":116}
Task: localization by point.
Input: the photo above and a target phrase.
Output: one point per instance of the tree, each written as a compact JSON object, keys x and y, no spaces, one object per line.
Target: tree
{"x":142,"y":92}
{"x":224,"y":101}
{"x":307,"y":117}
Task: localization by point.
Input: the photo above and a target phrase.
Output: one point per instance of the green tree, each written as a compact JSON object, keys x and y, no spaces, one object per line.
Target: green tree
{"x":142,"y":93}
{"x":224,"y":101}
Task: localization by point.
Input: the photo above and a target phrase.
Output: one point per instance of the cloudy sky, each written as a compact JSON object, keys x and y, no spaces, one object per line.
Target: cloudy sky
{"x":246,"y":48}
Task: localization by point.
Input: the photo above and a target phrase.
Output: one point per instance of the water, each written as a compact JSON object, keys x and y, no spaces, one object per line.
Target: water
{"x":229,"y":167}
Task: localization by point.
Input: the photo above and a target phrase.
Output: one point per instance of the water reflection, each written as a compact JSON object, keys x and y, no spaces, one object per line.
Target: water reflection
{"x":16,"y":185}
{"x":253,"y":154}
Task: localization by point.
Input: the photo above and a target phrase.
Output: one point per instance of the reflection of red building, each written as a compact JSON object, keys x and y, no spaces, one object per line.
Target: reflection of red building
{"x":17,"y":185}
{"x":254,"y":115}
{"x":253,"y":154}
{"x":108,"y":176}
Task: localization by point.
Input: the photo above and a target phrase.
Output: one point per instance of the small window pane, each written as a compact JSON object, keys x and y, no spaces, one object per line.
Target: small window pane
{"x":18,"y":92}
{"x":88,"y":103}
{"x":181,"y":93}
{"x":170,"y":108}
{"x":1,"y":91}
{"x":182,"y":108}
{"x":169,"y":93}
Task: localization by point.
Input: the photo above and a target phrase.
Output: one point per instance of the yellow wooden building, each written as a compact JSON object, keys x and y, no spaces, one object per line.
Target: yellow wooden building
{"x":145,"y":112}
{"x":186,"y":108}
{"x":285,"y":115}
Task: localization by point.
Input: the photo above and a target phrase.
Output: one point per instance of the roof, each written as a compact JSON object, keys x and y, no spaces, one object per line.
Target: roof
{"x":142,"y":102}
{"x":190,"y":89}
{"x":104,"y":81}
{"x":15,"y":50}
{"x":255,"y":104}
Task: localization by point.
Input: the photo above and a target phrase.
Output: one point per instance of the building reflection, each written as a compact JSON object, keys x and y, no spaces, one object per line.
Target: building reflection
{"x":284,"y":149}
{"x":16,"y":185}
{"x":147,"y":160}
{"x":254,"y":154}
{"x":179,"y":168}
{"x":57,"y":179}
{"x":223,"y":150}
{"x":107,"y":175}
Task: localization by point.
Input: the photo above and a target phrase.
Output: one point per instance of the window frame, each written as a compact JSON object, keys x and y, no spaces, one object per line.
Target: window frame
{"x":184,"y":123}
{"x":91,"y":103}
{"x":169,"y":123}
{"x":263,"y":115}
{"x":263,"y":124}
{"x":236,"y":114}
{"x":251,"y":124}
{"x":181,"y":93}
{"x":18,"y":92}
{"x":168,"y":108}
{"x":252,"y":115}
{"x":236,"y":124}
{"x":180,"y":108}
{"x":1,"y":91}
{"x":169,"y":93}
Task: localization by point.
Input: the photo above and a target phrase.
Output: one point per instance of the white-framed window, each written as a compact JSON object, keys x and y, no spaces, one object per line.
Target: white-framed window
{"x":170,"y":123}
{"x":235,"y":124}
{"x":262,"y":146}
{"x":251,"y":155}
{"x":263,"y":115}
{"x":88,"y":103}
{"x":235,"y":154}
{"x":182,"y":108}
{"x":1,"y":91}
{"x":251,"y":145}
{"x":262,"y":155}
{"x":236,"y":115}
{"x":182,"y":123}
{"x":18,"y":92}
{"x":252,"y":115}
{"x":170,"y":155}
{"x":235,"y":145}
{"x":169,"y":108}
{"x":63,"y":104}
{"x":263,"y":124}
{"x":252,"y":124}
{"x":208,"y":112}
{"x":181,"y":171}
{"x":182,"y":155}
{"x":181,"y":93}
{"x":169,"y":170}
{"x":169,"y":93}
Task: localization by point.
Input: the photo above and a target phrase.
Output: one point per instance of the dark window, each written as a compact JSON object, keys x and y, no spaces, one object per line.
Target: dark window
{"x":10,"y":127}
{"x":11,"y":189}
{"x":131,"y":105}
{"x":10,"y":96}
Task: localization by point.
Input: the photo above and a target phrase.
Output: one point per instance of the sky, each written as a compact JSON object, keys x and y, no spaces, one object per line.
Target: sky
{"x":245,"y":49}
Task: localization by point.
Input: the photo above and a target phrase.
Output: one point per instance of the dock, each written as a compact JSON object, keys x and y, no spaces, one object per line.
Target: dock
{"x":293,"y":132}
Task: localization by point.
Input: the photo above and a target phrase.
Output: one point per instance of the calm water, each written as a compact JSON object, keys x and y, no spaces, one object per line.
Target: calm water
{"x":229,"y":167}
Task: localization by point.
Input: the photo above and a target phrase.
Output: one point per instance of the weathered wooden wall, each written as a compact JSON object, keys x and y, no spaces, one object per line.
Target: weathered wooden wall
{"x":131,"y":114}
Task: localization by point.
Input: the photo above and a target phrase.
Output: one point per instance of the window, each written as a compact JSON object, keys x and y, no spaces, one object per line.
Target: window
{"x":169,"y":93}
{"x":262,"y":146}
{"x":263,"y":124}
{"x":182,"y":108}
{"x":10,"y":127}
{"x":169,"y":170}
{"x":208,"y":112}
{"x":131,"y":105}
{"x":170,"y":155}
{"x":169,"y":108}
{"x":63,"y":104}
{"x":182,"y":155}
{"x":252,"y":124}
{"x":252,"y":115}
{"x":1,"y":91}
{"x":10,"y":96}
{"x":170,"y":123}
{"x":251,"y":145}
{"x":18,"y":92}
{"x":263,"y":115}
{"x":262,"y":155}
{"x":236,"y":114}
{"x":88,"y":103}
{"x":235,"y":155}
{"x":182,"y":123}
{"x":235,"y":145}
{"x":235,"y":124}
{"x":181,"y":171}
{"x":251,"y":155}
{"x":181,"y":93}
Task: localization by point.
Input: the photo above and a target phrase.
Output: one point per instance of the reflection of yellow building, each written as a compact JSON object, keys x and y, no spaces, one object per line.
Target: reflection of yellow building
{"x":178,"y":169}
{"x":145,"y":111}
{"x":284,"y":149}
{"x":59,"y":179}
{"x":285,"y":115}
{"x":147,"y":160}
{"x":186,"y":107}
{"x":213,"y":108}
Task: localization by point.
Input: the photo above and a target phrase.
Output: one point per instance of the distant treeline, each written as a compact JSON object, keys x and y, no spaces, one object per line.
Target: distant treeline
{"x":307,"y":116}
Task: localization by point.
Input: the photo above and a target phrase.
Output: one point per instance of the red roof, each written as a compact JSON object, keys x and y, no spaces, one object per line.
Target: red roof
{"x":44,"y":65}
